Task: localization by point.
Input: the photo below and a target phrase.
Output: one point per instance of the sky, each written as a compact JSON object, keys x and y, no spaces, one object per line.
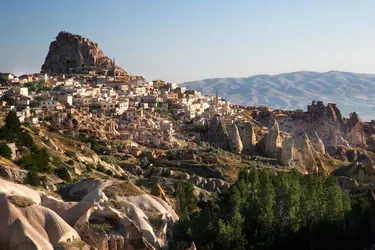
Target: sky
{"x":187,"y":40}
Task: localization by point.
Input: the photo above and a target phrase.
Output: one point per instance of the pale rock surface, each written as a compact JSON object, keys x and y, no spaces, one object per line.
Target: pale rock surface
{"x":249,"y":139}
{"x":306,"y":152}
{"x":317,"y":143}
{"x":9,"y":189}
{"x":273,"y":142}
{"x":32,"y":227}
{"x":152,"y":203}
{"x":12,"y":173}
{"x":218,"y":133}
{"x":288,"y":153}
{"x":235,"y":140}
{"x":354,"y":131}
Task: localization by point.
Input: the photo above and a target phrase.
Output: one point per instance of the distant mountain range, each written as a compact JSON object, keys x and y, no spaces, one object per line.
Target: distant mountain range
{"x":351,"y":91}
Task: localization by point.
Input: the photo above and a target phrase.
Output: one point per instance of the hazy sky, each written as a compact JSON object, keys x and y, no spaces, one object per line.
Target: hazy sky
{"x":194,"y":39}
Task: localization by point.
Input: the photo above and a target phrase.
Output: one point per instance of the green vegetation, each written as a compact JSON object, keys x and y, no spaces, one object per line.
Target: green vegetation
{"x":94,"y":144}
{"x":101,"y":168}
{"x":37,"y":160}
{"x":70,"y":162}
{"x":20,"y":201}
{"x":109,"y":172}
{"x":25,"y":140}
{"x":63,"y":173}
{"x":37,"y":86}
{"x":71,"y":154}
{"x":77,"y":243}
{"x":90,"y":167}
{"x":266,"y":210}
{"x":186,"y":199}
{"x":32,"y":178}
{"x":102,"y":226}
{"x":13,"y":132}
{"x":5,"y":150}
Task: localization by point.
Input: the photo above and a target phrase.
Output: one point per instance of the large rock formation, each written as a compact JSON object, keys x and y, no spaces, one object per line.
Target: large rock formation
{"x":73,"y":53}
{"x":273,"y":142}
{"x":249,"y":139}
{"x":235,"y":140}
{"x":354,"y":131}
{"x":288,"y":152}
{"x":317,"y":143}
{"x":218,"y":134}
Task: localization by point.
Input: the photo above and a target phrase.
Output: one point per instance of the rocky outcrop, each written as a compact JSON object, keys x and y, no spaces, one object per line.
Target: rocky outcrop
{"x":273,"y":142}
{"x":307,"y":153}
{"x":71,"y":53}
{"x":317,"y":143}
{"x":218,"y":133}
{"x":249,"y":139}
{"x":235,"y":140}
{"x":354,"y":131}
{"x":288,"y":152}
{"x":158,"y":191}
{"x":12,"y":173}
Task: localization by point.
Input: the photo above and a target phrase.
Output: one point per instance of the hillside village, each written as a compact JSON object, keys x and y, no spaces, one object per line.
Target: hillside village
{"x":114,"y":131}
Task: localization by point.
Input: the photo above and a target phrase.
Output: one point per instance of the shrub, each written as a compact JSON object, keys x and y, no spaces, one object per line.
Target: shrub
{"x":90,"y":167}
{"x":102,"y":226}
{"x":171,"y":155}
{"x":37,"y":161}
{"x":25,"y":140}
{"x":70,"y":154}
{"x":32,"y":178}
{"x":12,"y":123}
{"x":70,"y":162}
{"x":63,"y":173}
{"x":100,"y":168}
{"x":109,"y":172}
{"x":5,"y":150}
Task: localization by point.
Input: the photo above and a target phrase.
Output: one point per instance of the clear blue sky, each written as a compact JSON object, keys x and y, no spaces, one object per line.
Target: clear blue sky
{"x":194,"y":39}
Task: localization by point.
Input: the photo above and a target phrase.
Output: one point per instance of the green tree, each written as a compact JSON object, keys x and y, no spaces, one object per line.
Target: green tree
{"x":5,"y":151}
{"x":12,"y":123}
{"x":37,"y":161}
{"x":186,"y":199}
{"x":25,"y":140}
{"x":32,"y":178}
{"x":63,"y":173}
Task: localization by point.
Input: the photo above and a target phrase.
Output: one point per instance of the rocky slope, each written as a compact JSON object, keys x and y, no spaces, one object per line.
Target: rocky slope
{"x":34,"y":220}
{"x":350,"y":91}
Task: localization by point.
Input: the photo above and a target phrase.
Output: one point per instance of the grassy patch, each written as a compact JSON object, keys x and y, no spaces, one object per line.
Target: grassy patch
{"x":125,"y":188}
{"x":66,"y":245}
{"x":20,"y":201}
{"x":101,"y":226}
{"x":71,"y":154}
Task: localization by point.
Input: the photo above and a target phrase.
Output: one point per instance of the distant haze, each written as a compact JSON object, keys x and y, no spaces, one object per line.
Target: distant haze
{"x":190,"y":40}
{"x":350,"y":91}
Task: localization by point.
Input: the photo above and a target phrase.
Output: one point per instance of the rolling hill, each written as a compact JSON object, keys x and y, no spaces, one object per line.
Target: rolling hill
{"x":351,"y":91}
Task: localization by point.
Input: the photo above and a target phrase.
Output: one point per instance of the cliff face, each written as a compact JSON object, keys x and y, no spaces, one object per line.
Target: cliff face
{"x":73,"y":53}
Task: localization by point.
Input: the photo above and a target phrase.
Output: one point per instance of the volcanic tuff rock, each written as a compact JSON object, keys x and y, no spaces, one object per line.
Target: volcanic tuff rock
{"x":70,"y":52}
{"x":235,"y":143}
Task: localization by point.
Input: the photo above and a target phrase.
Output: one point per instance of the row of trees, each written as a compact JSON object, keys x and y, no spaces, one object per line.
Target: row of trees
{"x":265,"y":210}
